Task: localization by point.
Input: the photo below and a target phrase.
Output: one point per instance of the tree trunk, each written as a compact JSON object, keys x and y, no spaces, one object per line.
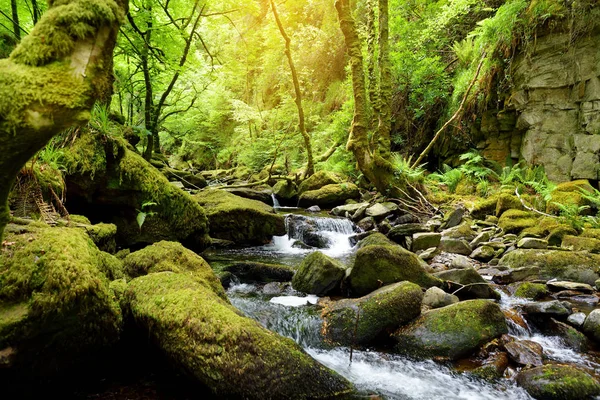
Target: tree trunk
{"x":15,"y":19}
{"x":149,"y":110}
{"x":35,"y":11}
{"x":310,"y":168}
{"x":385,"y":85}
{"x":47,"y":86}
{"x":376,"y":169}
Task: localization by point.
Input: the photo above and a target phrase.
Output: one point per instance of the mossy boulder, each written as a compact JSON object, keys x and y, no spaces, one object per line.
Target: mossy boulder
{"x":360,"y":321}
{"x":462,"y":231}
{"x":318,"y":180}
{"x":569,"y":193}
{"x":329,"y":195}
{"x":578,"y":243}
{"x":533,"y":291}
{"x":109,"y":182}
{"x":379,"y":265}
{"x":473,"y":284}
{"x":575,"y":266}
{"x":207,"y":339}
{"x":243,"y":221}
{"x":103,"y":235}
{"x":260,"y":272}
{"x":318,"y":274}
{"x":591,"y":233}
{"x":507,"y":202}
{"x":514,"y":221}
{"x":285,"y":191}
{"x":57,"y":311}
{"x":452,"y":332}
{"x":558,"y":382}
{"x":375,"y":239}
{"x":484,"y":207}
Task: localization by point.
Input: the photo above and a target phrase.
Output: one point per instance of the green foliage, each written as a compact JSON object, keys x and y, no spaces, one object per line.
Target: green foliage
{"x":403,"y":168}
{"x":143,"y":213}
{"x":474,"y":166}
{"x":450,"y":177}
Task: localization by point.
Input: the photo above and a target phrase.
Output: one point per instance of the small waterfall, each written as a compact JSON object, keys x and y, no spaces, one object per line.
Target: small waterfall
{"x":275,"y":201}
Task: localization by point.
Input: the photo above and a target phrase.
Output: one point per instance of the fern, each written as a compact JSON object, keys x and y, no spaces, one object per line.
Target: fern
{"x":451,"y":177}
{"x":402,"y":167}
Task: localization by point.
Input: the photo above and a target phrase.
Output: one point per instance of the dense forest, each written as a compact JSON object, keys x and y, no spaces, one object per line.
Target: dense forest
{"x":300,"y":199}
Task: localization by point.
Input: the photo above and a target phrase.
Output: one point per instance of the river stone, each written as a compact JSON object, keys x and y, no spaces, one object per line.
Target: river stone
{"x":329,"y":195}
{"x":591,"y":326}
{"x":548,"y":309}
{"x":533,"y":291}
{"x":525,"y":352}
{"x":360,"y":321}
{"x":575,"y":266}
{"x":453,"y":331}
{"x":456,"y":246}
{"x":177,"y":184}
{"x":436,"y":298}
{"x":480,"y":289}
{"x":378,"y":211}
{"x":382,"y":264}
{"x":492,"y":367}
{"x":367,"y":224}
{"x":204,"y":336}
{"x":563,"y":285}
{"x":569,"y":335}
{"x":263,"y":195}
{"x":318,"y":180}
{"x":398,"y":232}
{"x":462,"y":231}
{"x":453,"y":218}
{"x":460,"y":262}
{"x":348,"y":208}
{"x":428,"y":254}
{"x":532,"y":243}
{"x":577,"y":319}
{"x":479,"y":239}
{"x":285,"y":190}
{"x":318,"y":274}
{"x":558,"y":382}
{"x":425,"y":240}
{"x":314,"y":209}
{"x":258,"y":272}
{"x":483,"y":253}
{"x":516,"y":275}
{"x":578,"y":243}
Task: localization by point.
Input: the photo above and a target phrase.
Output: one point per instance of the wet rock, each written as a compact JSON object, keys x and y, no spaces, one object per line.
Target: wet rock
{"x":286,"y":191}
{"x":318,"y":180}
{"x":474,"y":285}
{"x":436,"y":298}
{"x":367,"y":224}
{"x":563,"y":265}
{"x":554,"y":309}
{"x":253,"y":194}
{"x":453,"y":331}
{"x":425,"y":240}
{"x":525,"y":352}
{"x":318,"y":274}
{"x":479,"y":239}
{"x":493,"y":367}
{"x":329,"y":195}
{"x":578,"y":297}
{"x":360,"y":321}
{"x":591,"y":326}
{"x":259,"y":272}
{"x":558,"y":382}
{"x":532,"y":243}
{"x":243,"y":221}
{"x":274,"y":288}
{"x":564,"y":285}
{"x":577,"y":319}
{"x":569,"y":335}
{"x":462,"y":231}
{"x":456,"y":246}
{"x":483,"y":253}
{"x":380,"y":263}
{"x":299,"y":244}
{"x":348,"y":208}
{"x":533,"y":291}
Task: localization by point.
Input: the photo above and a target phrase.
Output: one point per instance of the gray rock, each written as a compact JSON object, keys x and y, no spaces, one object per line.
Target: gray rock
{"x":314,"y":209}
{"x":367,"y":224}
{"x":577,"y":319}
{"x":475,"y":286}
{"x":454,"y":218}
{"x":516,"y":275}
{"x":532,"y":243}
{"x":457,"y":246}
{"x":555,"y":309}
{"x":461,"y":262}
{"x":525,"y":352}
{"x":558,"y":382}
{"x":591,"y":326}
{"x":436,"y":298}
{"x":563,"y":285}
{"x":428,"y":254}
{"x":378,"y":211}
{"x":178,"y":185}
{"x":479,"y":239}
{"x":400,"y":231}
{"x":483,"y":253}
{"x":425,"y":240}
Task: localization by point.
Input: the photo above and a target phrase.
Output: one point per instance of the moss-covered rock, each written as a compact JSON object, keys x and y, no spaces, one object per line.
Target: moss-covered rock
{"x":260,"y":272}
{"x":514,"y":221}
{"x":452,"y":332}
{"x":108,"y":181}
{"x":205,"y":337}
{"x":329,"y":195}
{"x":462,"y":231}
{"x":558,"y":382}
{"x":360,"y":321}
{"x":556,"y":235}
{"x":318,"y":274}
{"x":285,"y":190}
{"x":577,"y":243}
{"x":473,"y":284}
{"x":318,"y":180}
{"x":103,"y":235}
{"x":576,"y":266}
{"x":484,"y":207}
{"x":507,"y":202}
{"x":569,"y":193}
{"x":377,"y":265}
{"x":375,"y":239}
{"x":533,"y":291}
{"x":591,"y":233}
{"x":56,"y":308}
{"x":243,"y":221}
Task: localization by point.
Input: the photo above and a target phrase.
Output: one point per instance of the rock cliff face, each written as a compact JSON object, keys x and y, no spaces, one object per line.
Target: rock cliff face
{"x":553,"y":115}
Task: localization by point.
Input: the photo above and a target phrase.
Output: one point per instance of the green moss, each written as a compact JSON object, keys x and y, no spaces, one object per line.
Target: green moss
{"x":514,"y":221}
{"x":57,"y":274}
{"x":104,"y":236}
{"x":111,"y":266}
{"x":173,"y":257}
{"x":534,"y":291}
{"x":576,"y":266}
{"x":591,"y":233}
{"x":558,"y":382}
{"x":578,"y":243}
{"x":484,"y":207}
{"x":318,"y":180}
{"x":574,"y":186}
{"x":507,"y":202}
{"x":360,"y":321}
{"x":452,"y":331}
{"x":86,"y":156}
{"x":240,"y":220}
{"x":566,"y":199}
{"x":318,"y":274}
{"x":285,"y":189}
{"x":557,"y":234}
{"x":375,"y":239}
{"x":329,"y":195}
{"x":208,"y":339}
{"x":79,"y":219}
{"x":377,"y":266}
